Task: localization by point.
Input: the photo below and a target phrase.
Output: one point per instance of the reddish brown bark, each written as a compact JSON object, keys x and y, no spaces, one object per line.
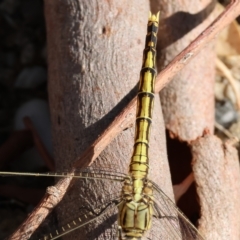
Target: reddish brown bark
{"x":216,"y":170}
{"x":188,"y":101}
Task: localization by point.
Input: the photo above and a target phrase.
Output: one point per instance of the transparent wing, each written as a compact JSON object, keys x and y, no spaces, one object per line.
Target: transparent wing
{"x":101,"y":214}
{"x":88,"y":172}
{"x":93,"y":207}
{"x":84,"y":203}
{"x":106,"y":212}
{"x":169,"y":222}
{"x":90,"y":211}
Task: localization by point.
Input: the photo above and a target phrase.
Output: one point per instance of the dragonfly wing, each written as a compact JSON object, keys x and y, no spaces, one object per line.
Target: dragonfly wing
{"x":99,"y":173}
{"x":169,"y":222}
{"x":84,"y":173}
{"x":94,"y":210}
{"x":105,"y":212}
{"x":95,"y":187}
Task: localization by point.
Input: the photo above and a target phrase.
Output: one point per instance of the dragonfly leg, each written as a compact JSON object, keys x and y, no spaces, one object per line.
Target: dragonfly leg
{"x":120,"y":234}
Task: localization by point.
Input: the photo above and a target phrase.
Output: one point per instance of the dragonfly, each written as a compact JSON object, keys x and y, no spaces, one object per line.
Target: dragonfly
{"x":142,"y":209}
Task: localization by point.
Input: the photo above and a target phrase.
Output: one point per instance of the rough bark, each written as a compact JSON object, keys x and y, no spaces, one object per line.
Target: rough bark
{"x":188,"y":101}
{"x":95,"y":54}
{"x":216,"y":170}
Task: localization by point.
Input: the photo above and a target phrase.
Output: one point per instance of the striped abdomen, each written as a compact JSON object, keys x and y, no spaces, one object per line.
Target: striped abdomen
{"x":139,"y":161}
{"x":136,"y":206}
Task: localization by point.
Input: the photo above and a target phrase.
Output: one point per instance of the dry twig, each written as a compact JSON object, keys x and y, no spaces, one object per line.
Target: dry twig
{"x":227,"y":73}
{"x":180,"y":189}
{"x":224,"y":130}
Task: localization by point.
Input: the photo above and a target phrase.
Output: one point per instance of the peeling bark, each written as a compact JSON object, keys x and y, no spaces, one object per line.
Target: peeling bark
{"x":217,"y":176}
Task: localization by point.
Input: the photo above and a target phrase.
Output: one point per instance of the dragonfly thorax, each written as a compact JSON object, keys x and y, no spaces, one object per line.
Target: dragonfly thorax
{"x":135,"y":209}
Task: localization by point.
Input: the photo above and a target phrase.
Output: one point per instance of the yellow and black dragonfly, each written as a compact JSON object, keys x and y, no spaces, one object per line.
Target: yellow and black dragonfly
{"x":141,"y":208}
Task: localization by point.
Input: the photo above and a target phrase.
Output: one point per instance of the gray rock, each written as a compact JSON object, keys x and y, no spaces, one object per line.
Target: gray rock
{"x":225,"y":113}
